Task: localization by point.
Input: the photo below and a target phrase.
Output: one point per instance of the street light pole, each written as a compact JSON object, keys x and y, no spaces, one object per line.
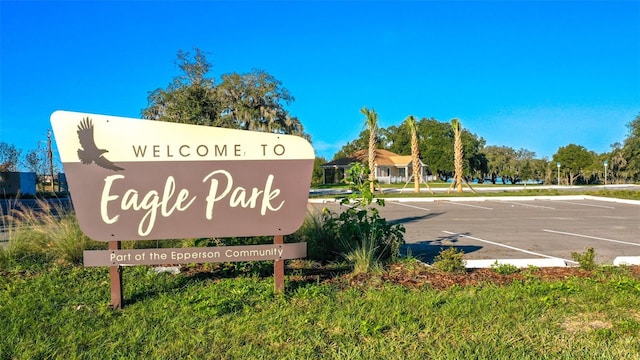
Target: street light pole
{"x":558,"y":165}
{"x":50,"y":159}
{"x":606,"y":163}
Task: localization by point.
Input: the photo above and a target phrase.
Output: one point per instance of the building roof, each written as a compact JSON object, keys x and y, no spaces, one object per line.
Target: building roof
{"x":341,"y":162}
{"x":383,"y":158}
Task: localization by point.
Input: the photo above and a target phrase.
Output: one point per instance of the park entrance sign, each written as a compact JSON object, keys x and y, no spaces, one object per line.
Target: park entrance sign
{"x":133,"y":179}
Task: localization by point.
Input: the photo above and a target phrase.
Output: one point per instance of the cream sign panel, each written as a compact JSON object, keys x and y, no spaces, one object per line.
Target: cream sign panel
{"x":133,"y":179}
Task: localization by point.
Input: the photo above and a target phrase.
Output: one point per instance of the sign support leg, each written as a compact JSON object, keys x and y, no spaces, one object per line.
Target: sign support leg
{"x":278,"y":268}
{"x":115,"y":276}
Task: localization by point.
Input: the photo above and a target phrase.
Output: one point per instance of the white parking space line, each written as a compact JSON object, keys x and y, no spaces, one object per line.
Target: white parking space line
{"x":581,"y":204}
{"x":407,"y":205}
{"x":590,"y":237}
{"x":474,"y":206}
{"x":508,"y":246}
{"x":527,"y":205}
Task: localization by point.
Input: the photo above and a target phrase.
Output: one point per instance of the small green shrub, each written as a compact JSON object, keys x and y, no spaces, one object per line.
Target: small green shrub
{"x":585,"y":259}
{"x":365,"y":238}
{"x":504,"y":269}
{"x":450,"y":260}
{"x":357,"y":234}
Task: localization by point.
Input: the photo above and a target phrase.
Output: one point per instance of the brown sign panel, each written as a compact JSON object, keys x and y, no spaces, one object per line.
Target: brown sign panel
{"x":194,"y":255}
{"x":134,"y":179}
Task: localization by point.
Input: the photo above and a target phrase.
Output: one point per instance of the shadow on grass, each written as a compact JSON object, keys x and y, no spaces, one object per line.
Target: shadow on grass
{"x":296,"y":278}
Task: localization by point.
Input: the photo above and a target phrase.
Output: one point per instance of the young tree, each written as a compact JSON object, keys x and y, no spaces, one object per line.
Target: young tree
{"x":415,"y":152}
{"x":36,"y":162}
{"x":457,"y":154}
{"x":9,"y":157}
{"x":371,"y":122}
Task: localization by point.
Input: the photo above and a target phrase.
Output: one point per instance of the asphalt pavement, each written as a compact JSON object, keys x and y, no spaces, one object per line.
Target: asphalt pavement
{"x":516,"y":227}
{"x":488,"y":228}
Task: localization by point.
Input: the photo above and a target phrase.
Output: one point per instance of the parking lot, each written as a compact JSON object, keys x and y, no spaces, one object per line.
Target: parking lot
{"x":517,"y":228}
{"x":510,"y":227}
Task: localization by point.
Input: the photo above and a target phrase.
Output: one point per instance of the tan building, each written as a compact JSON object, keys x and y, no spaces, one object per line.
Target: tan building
{"x":389,"y":167}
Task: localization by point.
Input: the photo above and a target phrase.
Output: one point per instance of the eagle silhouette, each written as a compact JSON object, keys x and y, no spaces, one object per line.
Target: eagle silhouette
{"x":90,"y":152}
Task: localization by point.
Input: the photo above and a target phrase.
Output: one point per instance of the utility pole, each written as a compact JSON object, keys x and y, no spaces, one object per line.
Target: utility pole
{"x":50,"y":158}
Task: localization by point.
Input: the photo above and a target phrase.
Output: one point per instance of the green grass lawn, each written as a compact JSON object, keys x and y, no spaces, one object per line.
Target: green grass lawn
{"x":53,"y":311}
{"x":62,"y":312}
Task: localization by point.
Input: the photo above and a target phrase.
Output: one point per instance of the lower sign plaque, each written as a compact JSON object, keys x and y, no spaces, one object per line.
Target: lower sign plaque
{"x":194,"y":255}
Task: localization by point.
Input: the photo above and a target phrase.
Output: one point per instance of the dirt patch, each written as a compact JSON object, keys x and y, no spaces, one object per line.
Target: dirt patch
{"x":586,"y":322}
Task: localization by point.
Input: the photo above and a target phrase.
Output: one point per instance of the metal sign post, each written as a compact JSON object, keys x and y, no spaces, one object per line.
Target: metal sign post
{"x":115,"y":277}
{"x":278,"y":268}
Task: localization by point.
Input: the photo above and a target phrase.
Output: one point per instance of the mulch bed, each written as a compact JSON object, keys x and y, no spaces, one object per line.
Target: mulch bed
{"x":417,"y":276}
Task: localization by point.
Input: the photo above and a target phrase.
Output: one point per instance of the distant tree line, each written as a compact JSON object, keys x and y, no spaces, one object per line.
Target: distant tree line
{"x":505,"y":164}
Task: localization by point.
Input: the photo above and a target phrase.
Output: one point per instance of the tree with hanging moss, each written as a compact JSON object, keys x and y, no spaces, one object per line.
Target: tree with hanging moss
{"x":631,"y":149}
{"x":251,"y":101}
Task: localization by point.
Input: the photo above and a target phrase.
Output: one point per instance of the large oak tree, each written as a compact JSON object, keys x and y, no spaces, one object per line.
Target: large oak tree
{"x":252,"y":101}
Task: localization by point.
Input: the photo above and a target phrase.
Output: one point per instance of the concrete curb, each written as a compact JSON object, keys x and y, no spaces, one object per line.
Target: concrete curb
{"x":626,"y":260}
{"x":519,"y":263}
{"x":615,"y":200}
{"x":489,"y":198}
{"x":495,"y":198}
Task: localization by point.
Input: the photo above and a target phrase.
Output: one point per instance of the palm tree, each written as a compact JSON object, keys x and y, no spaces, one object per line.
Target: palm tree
{"x":372,"y":124}
{"x":457,"y":154}
{"x":415,"y":154}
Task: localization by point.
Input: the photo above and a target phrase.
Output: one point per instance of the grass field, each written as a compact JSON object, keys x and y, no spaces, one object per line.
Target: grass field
{"x":62,"y":312}
{"x":53,"y":309}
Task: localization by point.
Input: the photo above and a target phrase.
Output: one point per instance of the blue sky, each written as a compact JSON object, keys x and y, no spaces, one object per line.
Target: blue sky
{"x":536,"y":75}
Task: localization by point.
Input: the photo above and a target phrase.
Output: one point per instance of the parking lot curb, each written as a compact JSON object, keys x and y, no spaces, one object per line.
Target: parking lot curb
{"x":626,"y":260}
{"x":519,"y":263}
{"x":493,"y":198}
